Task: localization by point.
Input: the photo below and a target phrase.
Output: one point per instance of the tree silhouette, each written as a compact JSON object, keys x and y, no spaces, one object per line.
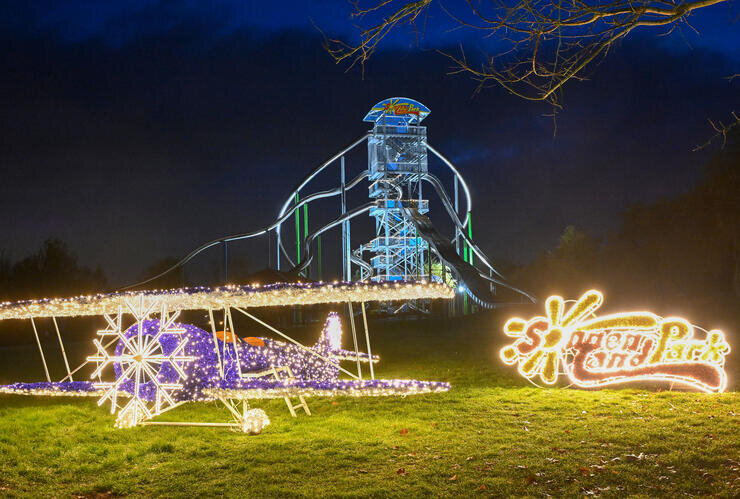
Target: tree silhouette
{"x":52,"y":271}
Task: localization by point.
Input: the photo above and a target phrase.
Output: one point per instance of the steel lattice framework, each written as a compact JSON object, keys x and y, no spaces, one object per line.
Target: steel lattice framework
{"x":406,"y":245}
{"x":397,"y":161}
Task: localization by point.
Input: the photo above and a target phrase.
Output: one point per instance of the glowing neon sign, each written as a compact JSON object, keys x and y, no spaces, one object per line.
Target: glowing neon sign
{"x":394,"y":106}
{"x":618,"y":348}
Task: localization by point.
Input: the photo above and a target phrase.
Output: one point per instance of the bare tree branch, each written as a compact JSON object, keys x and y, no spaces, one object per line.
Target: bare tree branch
{"x":539,"y":45}
{"x":721,"y":131}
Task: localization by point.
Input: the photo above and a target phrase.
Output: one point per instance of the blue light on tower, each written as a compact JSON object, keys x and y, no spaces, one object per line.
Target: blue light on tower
{"x":397,"y":160}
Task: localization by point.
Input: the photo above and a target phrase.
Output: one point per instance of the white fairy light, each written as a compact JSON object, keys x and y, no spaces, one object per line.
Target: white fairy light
{"x":204,"y":298}
{"x":334,"y":332}
{"x":612,"y":349}
{"x":139,"y":358}
{"x":254,"y":421}
{"x":159,"y":364}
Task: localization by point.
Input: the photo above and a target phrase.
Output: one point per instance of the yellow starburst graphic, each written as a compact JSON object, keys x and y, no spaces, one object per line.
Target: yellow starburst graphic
{"x":539,"y":343}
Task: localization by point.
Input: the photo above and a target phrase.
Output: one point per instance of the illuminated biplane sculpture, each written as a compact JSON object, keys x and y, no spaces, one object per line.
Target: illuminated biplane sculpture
{"x":147,"y":363}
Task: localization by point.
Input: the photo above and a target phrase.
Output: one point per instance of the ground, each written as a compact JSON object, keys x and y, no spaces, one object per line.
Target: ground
{"x":491,"y":434}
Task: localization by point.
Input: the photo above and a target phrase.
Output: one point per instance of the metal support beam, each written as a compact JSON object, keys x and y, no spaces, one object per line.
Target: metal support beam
{"x":343,"y":208}
{"x":61,"y":346}
{"x":297,"y":232}
{"x":230,"y":321}
{"x":367,"y":340}
{"x":304,"y":347}
{"x":215,"y":343}
{"x":320,"y":270}
{"x":354,"y":339}
{"x":457,"y":213}
{"x":277,"y":248}
{"x":226,"y":262}
{"x":305,"y":233}
{"x":74,"y":371}
{"x":41,"y":350}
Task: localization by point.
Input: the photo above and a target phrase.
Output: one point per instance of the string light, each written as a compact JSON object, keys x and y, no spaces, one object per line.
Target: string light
{"x":54,"y":389}
{"x":254,"y":421}
{"x":259,"y":389}
{"x":148,"y":363}
{"x":243,"y":296}
{"x":159,"y":364}
{"x":617,"y":348}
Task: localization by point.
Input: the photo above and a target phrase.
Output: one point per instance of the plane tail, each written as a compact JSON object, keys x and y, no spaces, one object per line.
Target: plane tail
{"x":330,"y":342}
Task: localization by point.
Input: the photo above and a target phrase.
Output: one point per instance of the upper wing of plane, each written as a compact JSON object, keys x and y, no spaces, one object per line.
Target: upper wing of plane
{"x":279,"y":294}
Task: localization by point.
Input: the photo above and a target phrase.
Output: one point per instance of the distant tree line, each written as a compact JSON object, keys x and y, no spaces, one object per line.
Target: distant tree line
{"x":52,"y":271}
{"x":681,"y":254}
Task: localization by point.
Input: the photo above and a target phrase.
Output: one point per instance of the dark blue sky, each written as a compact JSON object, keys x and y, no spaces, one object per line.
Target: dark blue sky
{"x":120,"y":23}
{"x":137,"y":130}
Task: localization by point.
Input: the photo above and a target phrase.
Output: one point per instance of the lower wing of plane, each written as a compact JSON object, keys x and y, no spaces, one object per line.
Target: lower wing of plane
{"x":263,"y":388}
{"x":54,"y":388}
{"x":255,"y":388}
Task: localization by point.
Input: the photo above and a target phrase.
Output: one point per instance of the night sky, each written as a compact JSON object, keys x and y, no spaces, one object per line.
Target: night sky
{"x":138,"y":130}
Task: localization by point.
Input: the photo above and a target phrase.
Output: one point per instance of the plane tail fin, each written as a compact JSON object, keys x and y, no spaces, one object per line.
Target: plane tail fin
{"x":330,"y":341}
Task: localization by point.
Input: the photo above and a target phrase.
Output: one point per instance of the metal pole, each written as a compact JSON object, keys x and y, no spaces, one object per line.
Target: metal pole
{"x":41,"y":350}
{"x":305,"y":232}
{"x":420,"y":241}
{"x":297,"y":232}
{"x":226,"y":262}
{"x":470,"y":234}
{"x":387,"y":248}
{"x":367,"y":340}
{"x":455,"y":302}
{"x":457,"y":230}
{"x":343,"y":206}
{"x":277,"y":247}
{"x":319,"y":264}
{"x":61,"y":345}
{"x":348,"y":253}
{"x":354,"y":338}
{"x":470,"y":251}
{"x":215,"y":342}
{"x":227,"y":314}
{"x":74,"y":371}
{"x":429,"y":259}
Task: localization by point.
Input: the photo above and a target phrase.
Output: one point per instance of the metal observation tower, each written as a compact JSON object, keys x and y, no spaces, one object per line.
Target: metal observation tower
{"x":397,"y":162}
{"x":406,"y":245}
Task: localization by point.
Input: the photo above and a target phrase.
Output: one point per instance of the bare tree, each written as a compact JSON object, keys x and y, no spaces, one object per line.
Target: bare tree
{"x":721,"y":131}
{"x":537,"y":46}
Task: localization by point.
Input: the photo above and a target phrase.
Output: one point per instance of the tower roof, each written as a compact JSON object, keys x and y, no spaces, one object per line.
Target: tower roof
{"x":397,"y":110}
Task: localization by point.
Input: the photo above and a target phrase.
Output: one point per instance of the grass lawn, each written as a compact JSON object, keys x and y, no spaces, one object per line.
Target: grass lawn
{"x":492,"y":434}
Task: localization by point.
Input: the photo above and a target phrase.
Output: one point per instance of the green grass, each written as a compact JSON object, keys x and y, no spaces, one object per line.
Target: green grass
{"x":491,"y":434}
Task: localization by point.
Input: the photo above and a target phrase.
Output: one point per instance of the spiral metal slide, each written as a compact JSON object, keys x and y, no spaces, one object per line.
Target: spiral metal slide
{"x":284,"y":215}
{"x":477,"y":285}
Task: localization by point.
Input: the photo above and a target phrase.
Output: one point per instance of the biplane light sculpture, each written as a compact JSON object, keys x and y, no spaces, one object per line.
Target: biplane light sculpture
{"x":146,"y":363}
